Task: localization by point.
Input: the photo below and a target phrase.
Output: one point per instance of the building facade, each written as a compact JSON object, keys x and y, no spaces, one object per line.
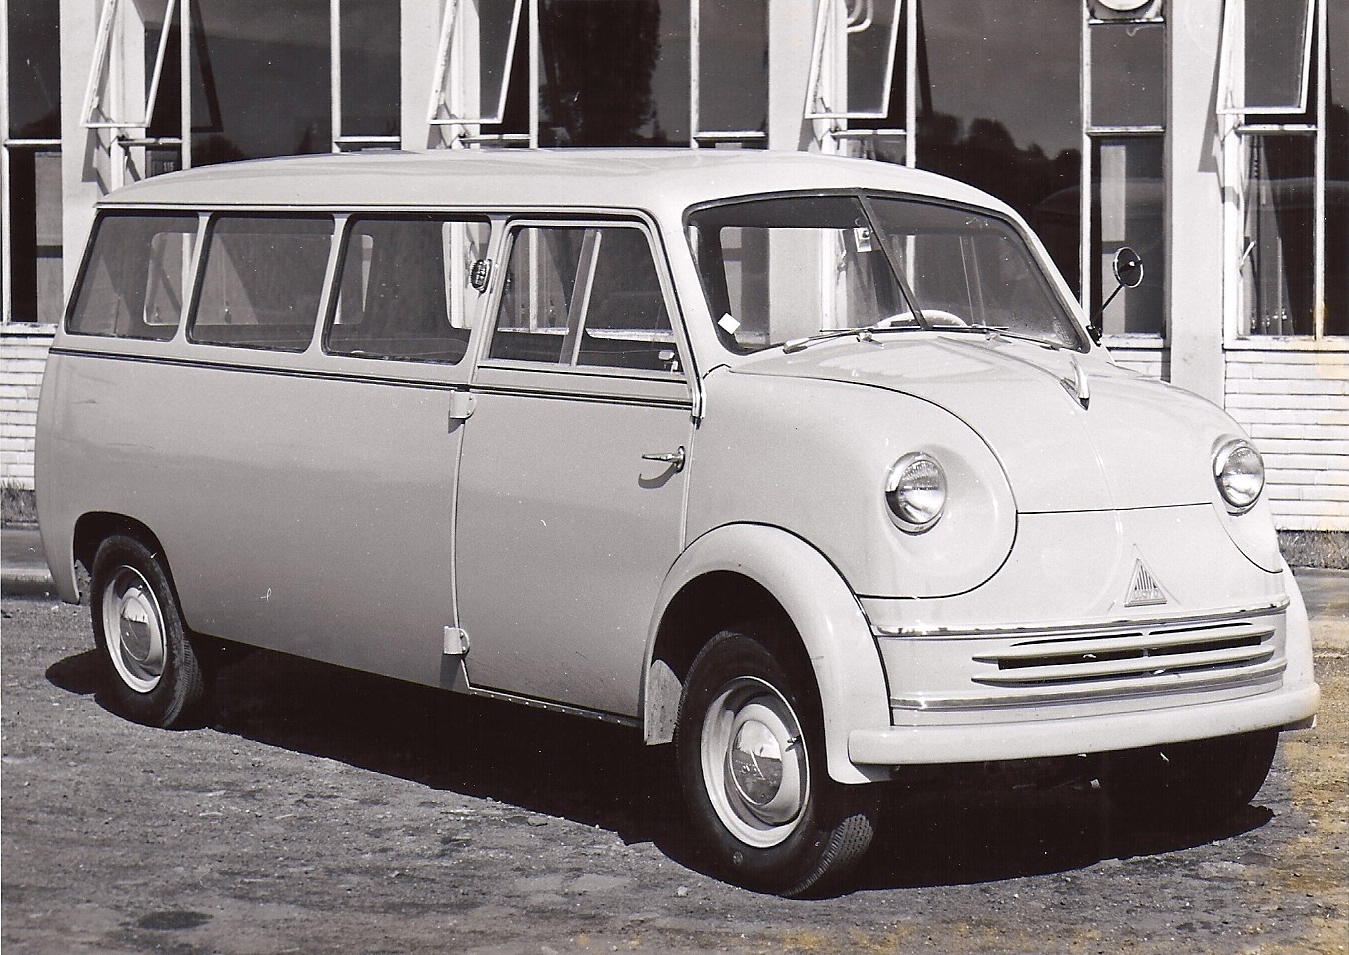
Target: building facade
{"x":1210,"y":135}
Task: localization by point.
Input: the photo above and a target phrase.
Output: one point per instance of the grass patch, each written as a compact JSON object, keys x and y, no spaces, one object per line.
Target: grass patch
{"x":1329,"y":549}
{"x":17,"y":505}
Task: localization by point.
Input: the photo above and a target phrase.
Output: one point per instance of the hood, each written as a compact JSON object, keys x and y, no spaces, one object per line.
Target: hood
{"x":1073,"y":432}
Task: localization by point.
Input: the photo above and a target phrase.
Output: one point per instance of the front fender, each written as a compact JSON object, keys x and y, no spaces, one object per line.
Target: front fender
{"x":826,"y":614}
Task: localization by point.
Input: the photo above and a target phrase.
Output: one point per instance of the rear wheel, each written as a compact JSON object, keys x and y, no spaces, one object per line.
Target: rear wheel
{"x":155,"y":676}
{"x":1191,"y":782}
{"x":750,"y":750}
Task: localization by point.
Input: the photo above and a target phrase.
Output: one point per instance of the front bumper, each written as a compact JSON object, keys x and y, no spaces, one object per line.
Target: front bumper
{"x":1030,"y":739}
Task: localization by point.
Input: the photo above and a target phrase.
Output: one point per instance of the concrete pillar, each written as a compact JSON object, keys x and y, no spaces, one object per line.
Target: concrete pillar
{"x":420,"y":36}
{"x":84,"y":168}
{"x":791,"y":33}
{"x":1194,"y":213}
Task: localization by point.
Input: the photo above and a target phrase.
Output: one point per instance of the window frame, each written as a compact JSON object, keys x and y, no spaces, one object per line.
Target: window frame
{"x":1234,"y":34}
{"x":509,"y":236}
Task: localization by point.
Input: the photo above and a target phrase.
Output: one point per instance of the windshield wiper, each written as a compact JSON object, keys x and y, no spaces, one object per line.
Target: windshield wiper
{"x":864,"y":334}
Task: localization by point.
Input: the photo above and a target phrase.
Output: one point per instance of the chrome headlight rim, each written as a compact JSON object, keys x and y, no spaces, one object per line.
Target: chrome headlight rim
{"x":1239,"y":473}
{"x":916,"y":492}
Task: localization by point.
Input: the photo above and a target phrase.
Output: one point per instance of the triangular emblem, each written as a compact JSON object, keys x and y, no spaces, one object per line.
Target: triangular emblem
{"x":1144,"y":590}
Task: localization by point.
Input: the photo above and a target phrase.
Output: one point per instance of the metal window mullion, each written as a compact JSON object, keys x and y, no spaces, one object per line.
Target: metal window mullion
{"x":1322,"y":67}
{"x":535,"y":56}
{"x":1084,"y":245}
{"x":335,"y":71}
{"x":911,"y":84}
{"x":185,"y":82}
{"x":695,"y":68}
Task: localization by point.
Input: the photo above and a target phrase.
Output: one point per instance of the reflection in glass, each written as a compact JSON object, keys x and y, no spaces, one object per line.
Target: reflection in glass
{"x":1267,"y":47}
{"x":34,"y":69}
{"x":977,"y":60}
{"x":1277,"y":261}
{"x":1127,"y":210}
{"x":733,"y":65}
{"x":370,"y":67}
{"x":615,"y":73}
{"x":477,"y":49}
{"x":261,"y":79}
{"x":854,"y":58}
{"x":1127,"y":67}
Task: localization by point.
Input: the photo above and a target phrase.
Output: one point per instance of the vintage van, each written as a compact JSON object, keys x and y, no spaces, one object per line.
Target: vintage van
{"x":809,"y":466}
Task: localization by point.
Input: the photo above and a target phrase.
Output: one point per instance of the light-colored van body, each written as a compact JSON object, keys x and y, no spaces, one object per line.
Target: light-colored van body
{"x":572,"y":533}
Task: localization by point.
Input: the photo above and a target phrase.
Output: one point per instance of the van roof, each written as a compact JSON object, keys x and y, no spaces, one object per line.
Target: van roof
{"x":657,"y":180}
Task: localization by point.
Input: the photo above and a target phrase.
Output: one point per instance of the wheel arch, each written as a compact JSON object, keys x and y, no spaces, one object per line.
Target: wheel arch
{"x":740,"y":571}
{"x":94,"y":527}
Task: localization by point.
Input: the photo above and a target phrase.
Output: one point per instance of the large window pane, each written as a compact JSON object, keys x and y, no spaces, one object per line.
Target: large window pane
{"x":1277,"y":259}
{"x":615,"y":72}
{"x":479,"y":44}
{"x":733,"y":65}
{"x":261,"y":79}
{"x":137,"y":273}
{"x":1127,"y":67}
{"x":999,"y":107}
{"x":262,"y":282}
{"x":370,"y":68}
{"x":1127,"y":211}
{"x":34,"y":69}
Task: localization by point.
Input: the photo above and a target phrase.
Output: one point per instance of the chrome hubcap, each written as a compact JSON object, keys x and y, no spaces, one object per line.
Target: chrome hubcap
{"x":134,"y":628}
{"x":754,"y":762}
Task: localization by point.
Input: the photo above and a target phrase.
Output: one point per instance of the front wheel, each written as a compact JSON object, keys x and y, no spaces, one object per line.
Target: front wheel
{"x":1189,"y":783}
{"x":750,"y":752}
{"x":155,"y":676}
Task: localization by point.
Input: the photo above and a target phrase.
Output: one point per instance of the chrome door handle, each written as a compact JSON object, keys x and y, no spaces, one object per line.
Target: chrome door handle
{"x":669,"y":457}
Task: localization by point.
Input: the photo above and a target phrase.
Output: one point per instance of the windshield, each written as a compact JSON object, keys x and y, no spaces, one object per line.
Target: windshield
{"x":782,"y":269}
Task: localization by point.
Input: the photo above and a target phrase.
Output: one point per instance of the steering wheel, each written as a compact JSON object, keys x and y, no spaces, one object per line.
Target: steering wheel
{"x":935,"y":316}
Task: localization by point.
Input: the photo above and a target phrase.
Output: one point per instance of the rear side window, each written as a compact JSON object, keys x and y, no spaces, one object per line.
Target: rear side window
{"x":262,"y":281}
{"x":404,"y":290}
{"x":138,"y":270}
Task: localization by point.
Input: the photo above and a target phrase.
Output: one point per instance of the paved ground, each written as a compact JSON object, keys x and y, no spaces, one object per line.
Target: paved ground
{"x":327,"y":811}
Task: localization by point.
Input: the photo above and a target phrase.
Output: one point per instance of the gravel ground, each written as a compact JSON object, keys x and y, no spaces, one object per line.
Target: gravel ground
{"x":326,"y":811}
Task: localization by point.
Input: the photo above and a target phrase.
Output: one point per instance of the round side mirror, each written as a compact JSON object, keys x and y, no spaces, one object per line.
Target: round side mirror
{"x":1128,"y":268}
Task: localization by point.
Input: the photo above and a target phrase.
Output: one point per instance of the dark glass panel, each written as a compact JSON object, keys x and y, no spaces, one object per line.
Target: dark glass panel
{"x":998,"y":90}
{"x":1276,"y":45}
{"x":1337,"y":173}
{"x":733,"y":65}
{"x":34,"y":69}
{"x":370,"y":68}
{"x":615,"y":73}
{"x":260,"y":79}
{"x":1278,"y":240}
{"x":1127,"y":210}
{"x":1127,"y":67}
{"x":36,"y":288}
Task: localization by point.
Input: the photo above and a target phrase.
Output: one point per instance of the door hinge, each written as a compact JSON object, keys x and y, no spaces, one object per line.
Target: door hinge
{"x":462,"y":404}
{"x":456,"y":641}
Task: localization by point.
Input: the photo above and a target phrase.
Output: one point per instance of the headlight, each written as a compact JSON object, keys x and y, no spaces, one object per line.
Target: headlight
{"x":1239,"y":472}
{"x":915,"y":490}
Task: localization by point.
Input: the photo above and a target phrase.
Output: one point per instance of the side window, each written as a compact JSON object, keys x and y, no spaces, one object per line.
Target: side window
{"x":135,"y":278}
{"x":587,"y":296}
{"x":262,"y":281}
{"x":404,"y":290}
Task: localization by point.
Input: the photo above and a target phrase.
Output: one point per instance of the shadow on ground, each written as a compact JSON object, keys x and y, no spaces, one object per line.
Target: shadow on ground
{"x":602,"y":775}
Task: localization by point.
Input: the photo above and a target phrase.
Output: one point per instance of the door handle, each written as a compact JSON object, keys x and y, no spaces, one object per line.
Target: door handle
{"x":669,"y":457}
